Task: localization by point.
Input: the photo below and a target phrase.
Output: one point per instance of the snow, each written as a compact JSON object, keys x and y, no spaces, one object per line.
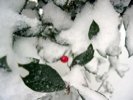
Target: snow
{"x":120,"y":5}
{"x":76,"y":34}
{"x":76,"y":77}
{"x":125,"y":88}
{"x":108,"y":24}
{"x":48,"y":48}
{"x":92,"y":65}
{"x":15,"y":5}
{"x":10,"y":21}
{"x":60,"y":2}
{"x":12,"y":88}
{"x":30,"y":13}
{"x":31,"y":5}
{"x":89,"y":94}
{"x":22,"y":46}
{"x":129,"y":30}
{"x":62,"y":95}
{"x":53,"y":14}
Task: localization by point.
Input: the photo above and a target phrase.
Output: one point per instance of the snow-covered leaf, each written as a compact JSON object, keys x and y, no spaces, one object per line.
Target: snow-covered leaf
{"x":22,"y":32}
{"x":50,"y":31}
{"x":46,"y":49}
{"x":108,"y":87}
{"x":94,"y":29}
{"x":128,"y":22}
{"x":24,"y":29}
{"x":30,"y":13}
{"x":84,"y":57}
{"x":62,"y":95}
{"x":31,"y":5}
{"x":73,"y":7}
{"x":42,"y":78}
{"x":60,"y":2}
{"x":121,"y":70}
{"x":60,"y":19}
{"x":3,"y":64}
{"x":120,"y":5}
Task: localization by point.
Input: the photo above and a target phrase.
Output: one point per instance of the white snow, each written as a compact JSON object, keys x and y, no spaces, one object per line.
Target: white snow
{"x":31,"y":4}
{"x":120,"y":4}
{"x":30,"y":13}
{"x":13,"y":88}
{"x":129,"y":32}
{"x":11,"y":85}
{"x":76,"y":77}
{"x":92,"y":66}
{"x":107,"y":19}
{"x":11,"y":21}
{"x":89,"y":94}
{"x":63,"y":95}
{"x":48,"y":48}
{"x":14,"y":5}
{"x":76,"y":33}
{"x":124,"y":88}
{"x":60,"y":2}
{"x":22,"y":46}
{"x":59,"y":18}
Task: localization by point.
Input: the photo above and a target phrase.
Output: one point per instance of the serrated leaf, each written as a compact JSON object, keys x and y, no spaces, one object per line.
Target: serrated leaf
{"x":84,"y":57}
{"x":94,"y":29}
{"x":3,"y":64}
{"x":43,"y":78}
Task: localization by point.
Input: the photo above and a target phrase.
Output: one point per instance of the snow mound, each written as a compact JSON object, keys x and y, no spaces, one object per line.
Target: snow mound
{"x":53,"y":14}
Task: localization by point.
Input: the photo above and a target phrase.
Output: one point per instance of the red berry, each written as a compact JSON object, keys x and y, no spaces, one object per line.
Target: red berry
{"x":64,"y":59}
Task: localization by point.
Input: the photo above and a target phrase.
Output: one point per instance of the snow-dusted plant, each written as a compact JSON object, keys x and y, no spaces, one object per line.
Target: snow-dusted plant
{"x":63,"y":49}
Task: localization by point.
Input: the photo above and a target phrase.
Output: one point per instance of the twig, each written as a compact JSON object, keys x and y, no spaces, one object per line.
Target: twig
{"x":81,"y":95}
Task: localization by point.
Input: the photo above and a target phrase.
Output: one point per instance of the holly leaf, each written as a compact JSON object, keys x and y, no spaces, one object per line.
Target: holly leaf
{"x":84,"y":57}
{"x":3,"y":64}
{"x":43,"y":78}
{"x":94,"y":29}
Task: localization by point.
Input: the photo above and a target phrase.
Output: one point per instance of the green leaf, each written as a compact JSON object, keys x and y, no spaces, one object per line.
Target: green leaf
{"x":4,"y":65}
{"x":43,"y":78}
{"x":94,"y":29}
{"x":84,"y":57}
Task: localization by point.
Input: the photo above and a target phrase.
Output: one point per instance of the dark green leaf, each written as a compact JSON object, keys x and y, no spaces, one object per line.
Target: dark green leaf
{"x":43,"y":78}
{"x":3,"y":64}
{"x":94,"y":29}
{"x":84,"y":57}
